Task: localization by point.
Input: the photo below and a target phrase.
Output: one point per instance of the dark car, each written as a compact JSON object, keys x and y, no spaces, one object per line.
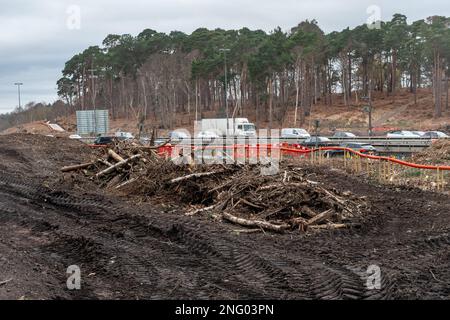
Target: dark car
{"x":364,"y":148}
{"x":103,"y":141}
{"x":316,"y":141}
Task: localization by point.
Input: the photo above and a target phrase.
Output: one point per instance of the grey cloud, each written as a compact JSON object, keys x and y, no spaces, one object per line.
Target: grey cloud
{"x":35,"y":41}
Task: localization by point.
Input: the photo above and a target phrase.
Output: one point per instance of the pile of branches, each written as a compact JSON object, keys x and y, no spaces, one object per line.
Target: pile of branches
{"x":118,"y":166}
{"x":285,"y":201}
{"x":437,"y":154}
{"x":239,"y":194}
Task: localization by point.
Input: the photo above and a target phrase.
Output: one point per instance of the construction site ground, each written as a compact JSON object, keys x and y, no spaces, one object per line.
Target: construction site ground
{"x":151,"y":250}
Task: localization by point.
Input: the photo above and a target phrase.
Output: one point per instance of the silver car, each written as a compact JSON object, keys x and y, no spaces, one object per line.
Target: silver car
{"x":342,"y":134}
{"x":402,"y":134}
{"x":435,"y":135}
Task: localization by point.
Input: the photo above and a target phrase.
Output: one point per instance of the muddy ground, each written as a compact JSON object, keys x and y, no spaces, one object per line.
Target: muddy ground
{"x":144,"y":251}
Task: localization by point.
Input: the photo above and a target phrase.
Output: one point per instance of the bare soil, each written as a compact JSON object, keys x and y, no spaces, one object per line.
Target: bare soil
{"x":129,"y":250}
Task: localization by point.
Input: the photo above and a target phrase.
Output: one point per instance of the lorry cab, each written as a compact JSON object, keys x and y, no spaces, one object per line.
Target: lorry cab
{"x":237,"y":127}
{"x":245,"y":129}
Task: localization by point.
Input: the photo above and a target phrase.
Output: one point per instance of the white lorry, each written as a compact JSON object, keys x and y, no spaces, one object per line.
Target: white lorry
{"x":237,"y":127}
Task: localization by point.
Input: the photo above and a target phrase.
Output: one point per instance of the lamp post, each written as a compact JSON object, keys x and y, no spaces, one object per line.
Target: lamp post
{"x":18,"y":84}
{"x":93,"y":77}
{"x":225,"y":86}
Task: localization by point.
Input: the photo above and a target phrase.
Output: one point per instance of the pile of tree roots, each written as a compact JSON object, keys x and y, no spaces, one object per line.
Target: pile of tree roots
{"x":239,"y":194}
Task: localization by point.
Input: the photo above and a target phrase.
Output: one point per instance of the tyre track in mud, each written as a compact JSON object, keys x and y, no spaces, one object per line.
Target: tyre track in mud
{"x":130,"y":252}
{"x":251,"y":275}
{"x":152,"y":256}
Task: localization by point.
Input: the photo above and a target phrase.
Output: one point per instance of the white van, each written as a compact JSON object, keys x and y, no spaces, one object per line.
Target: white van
{"x":294,"y":133}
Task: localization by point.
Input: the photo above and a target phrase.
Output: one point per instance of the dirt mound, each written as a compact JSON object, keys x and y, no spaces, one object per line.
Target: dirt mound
{"x":30,"y":155}
{"x":36,"y":127}
{"x":437,"y":154}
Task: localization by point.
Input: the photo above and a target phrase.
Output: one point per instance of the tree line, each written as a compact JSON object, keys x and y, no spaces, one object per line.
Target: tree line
{"x":156,"y":75}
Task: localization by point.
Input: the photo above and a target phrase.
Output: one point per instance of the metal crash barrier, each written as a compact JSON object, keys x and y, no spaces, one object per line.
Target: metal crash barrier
{"x":382,"y":168}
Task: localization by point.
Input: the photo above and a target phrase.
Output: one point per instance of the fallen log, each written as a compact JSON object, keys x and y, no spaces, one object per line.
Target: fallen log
{"x":247,"y":231}
{"x":250,"y":204}
{"x":334,"y":197}
{"x":331,"y":226}
{"x":120,"y":186}
{"x":255,"y":223}
{"x":115,"y":181}
{"x":194,"y":212}
{"x":280,"y":185}
{"x":308,"y":212}
{"x":226,"y":184}
{"x":115,"y":156}
{"x":117,"y":166}
{"x":190,"y":176}
{"x":105,"y":162}
{"x":77,"y":167}
{"x":321,"y":217}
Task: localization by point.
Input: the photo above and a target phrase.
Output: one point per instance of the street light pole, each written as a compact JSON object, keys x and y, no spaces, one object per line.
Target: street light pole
{"x":18,"y":84}
{"x":93,"y":76}
{"x":225,"y":87}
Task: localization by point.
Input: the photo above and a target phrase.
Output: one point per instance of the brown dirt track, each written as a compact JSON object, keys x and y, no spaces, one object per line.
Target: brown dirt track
{"x":147,"y":252}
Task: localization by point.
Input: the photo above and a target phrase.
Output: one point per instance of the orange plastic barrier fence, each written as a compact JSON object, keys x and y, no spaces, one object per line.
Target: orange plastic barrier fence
{"x":362,"y":155}
{"x":167,"y":151}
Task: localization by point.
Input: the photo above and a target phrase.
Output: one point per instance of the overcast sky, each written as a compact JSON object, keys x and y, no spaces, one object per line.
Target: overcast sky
{"x":37,"y":37}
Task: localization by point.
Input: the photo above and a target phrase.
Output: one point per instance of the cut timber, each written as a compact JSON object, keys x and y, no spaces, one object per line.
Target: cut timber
{"x":105,"y":162}
{"x":281,"y":185}
{"x":115,"y":156}
{"x":321,"y":217}
{"x":192,"y":213}
{"x":115,"y":181}
{"x":194,"y":175}
{"x":336,"y":198}
{"x":255,"y":223}
{"x":331,"y":226}
{"x":308,"y":212}
{"x":250,"y":204}
{"x":247,"y":231}
{"x":125,"y":183}
{"x":117,"y":166}
{"x":77,"y":167}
